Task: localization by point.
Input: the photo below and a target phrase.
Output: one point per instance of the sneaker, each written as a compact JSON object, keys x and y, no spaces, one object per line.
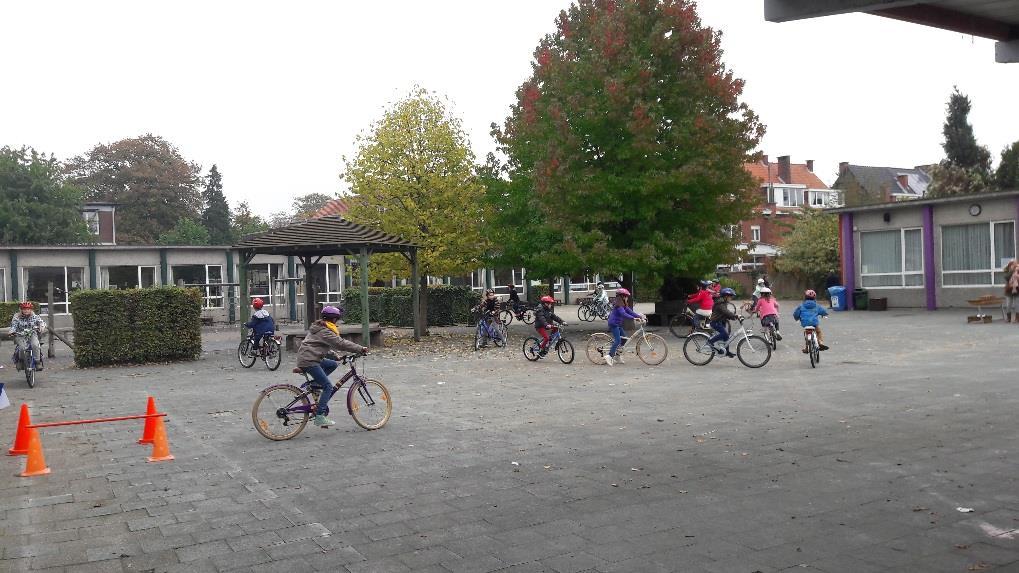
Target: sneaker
{"x":323,"y":422}
{"x":822,"y":347}
{"x":730,"y":355}
{"x":778,"y":335}
{"x":619,"y":359}
{"x":608,"y":360}
{"x":804,"y":351}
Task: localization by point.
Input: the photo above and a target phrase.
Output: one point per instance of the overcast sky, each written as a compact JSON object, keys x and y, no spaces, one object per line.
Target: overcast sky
{"x":274,"y":93}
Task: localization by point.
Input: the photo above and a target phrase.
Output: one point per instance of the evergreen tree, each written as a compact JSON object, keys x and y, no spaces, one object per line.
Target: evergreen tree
{"x":961,"y":147}
{"x":216,"y":216}
{"x":37,"y":207}
{"x":1007,"y":176}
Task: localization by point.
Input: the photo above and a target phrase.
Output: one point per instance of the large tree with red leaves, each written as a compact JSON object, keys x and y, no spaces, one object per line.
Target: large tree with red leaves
{"x":625,"y":148}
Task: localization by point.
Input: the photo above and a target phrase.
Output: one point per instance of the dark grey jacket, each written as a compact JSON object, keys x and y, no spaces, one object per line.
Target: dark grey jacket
{"x":319,"y":342}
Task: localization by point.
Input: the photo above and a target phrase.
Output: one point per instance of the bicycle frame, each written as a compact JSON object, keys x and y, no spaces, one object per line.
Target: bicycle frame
{"x":639,"y":333}
{"x":27,"y":335}
{"x":743,"y":331}
{"x":308,"y":389}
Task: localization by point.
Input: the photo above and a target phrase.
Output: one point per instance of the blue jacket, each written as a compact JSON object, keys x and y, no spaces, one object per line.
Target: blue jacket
{"x":262,"y":323}
{"x":809,"y":313}
{"x":620,"y":313}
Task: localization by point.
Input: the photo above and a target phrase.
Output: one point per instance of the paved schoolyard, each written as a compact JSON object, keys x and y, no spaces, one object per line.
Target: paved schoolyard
{"x":491,"y":463}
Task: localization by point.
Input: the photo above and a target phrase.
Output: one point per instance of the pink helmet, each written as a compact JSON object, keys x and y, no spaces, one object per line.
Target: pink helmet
{"x":622,"y":291}
{"x":810,"y":293}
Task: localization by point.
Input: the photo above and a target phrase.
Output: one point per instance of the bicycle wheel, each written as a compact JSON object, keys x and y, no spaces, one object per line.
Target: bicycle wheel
{"x":598,"y":345}
{"x":479,"y":337}
{"x":681,"y":326}
{"x":531,"y":346}
{"x":274,"y":415}
{"x":529,"y":316}
{"x":272,"y":357}
{"x":369,"y":404}
{"x":772,"y":337}
{"x":506,"y":317}
{"x":815,"y":353}
{"x":564,"y":348}
{"x":697,"y":349}
{"x":753,"y":351}
{"x":584,"y":313}
{"x":29,"y":368}
{"x":652,"y":350}
{"x":500,"y":328}
{"x":244,"y":355}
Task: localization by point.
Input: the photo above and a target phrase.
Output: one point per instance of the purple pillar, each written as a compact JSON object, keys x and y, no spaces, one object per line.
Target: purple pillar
{"x":848,"y":257}
{"x":929,"y":283}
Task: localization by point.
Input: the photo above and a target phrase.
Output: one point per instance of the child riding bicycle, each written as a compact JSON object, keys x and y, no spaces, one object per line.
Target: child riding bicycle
{"x":620,"y":312}
{"x":323,"y":338}
{"x":721,"y":314}
{"x":702,"y":302}
{"x":766,"y":307}
{"x":261,"y":324}
{"x":26,"y":326}
{"x":489,"y":310}
{"x":809,"y":313}
{"x":545,"y":321}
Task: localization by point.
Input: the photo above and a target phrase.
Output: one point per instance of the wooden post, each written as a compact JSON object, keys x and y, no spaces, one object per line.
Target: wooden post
{"x":231,"y":293}
{"x":309,"y":291}
{"x":415,"y":295}
{"x":49,"y":318}
{"x":365,"y":329}
{"x":244,"y":305}
{"x":292,"y":287}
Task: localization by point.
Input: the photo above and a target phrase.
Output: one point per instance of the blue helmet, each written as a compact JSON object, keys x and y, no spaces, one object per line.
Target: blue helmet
{"x":705,"y":283}
{"x":727,"y":292}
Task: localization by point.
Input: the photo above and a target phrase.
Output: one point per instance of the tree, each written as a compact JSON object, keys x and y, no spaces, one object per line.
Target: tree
{"x":216,"y":216}
{"x":38,"y":206}
{"x":960,"y":144}
{"x":244,"y":222}
{"x":949,"y":179}
{"x":306,"y":205}
{"x":150,"y":180}
{"x":625,"y":148}
{"x":414,"y":176}
{"x":185,"y":232}
{"x":811,"y":251}
{"x":1007,"y":175}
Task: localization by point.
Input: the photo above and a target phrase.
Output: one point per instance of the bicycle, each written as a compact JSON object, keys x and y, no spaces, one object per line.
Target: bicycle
{"x":688,"y":321}
{"x":590,"y":310}
{"x":496,"y":332}
{"x":813,"y":346}
{"x":269,"y":351}
{"x":288,"y":407}
{"x":650,"y":348}
{"x":523,"y":313}
{"x":751,"y":349}
{"x":768,"y":331}
{"x":563,"y":347}
{"x":24,"y":360}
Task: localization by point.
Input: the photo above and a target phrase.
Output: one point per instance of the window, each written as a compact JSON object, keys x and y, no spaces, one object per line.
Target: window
{"x":892,"y":258}
{"x":788,"y":196}
{"x":92,"y":221}
{"x":203,"y":277}
{"x":262,"y":283}
{"x":973,"y":255}
{"x":65,"y":281}
{"x":822,"y":198}
{"x":326,"y":282}
{"x":125,"y":277}
{"x":755,"y":233}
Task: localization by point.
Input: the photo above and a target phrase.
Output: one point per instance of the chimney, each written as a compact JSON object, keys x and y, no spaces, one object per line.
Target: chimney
{"x":843,"y":167}
{"x":810,"y":165}
{"x":784,"y":169}
{"x":903,"y":181}
{"x":764,"y":159}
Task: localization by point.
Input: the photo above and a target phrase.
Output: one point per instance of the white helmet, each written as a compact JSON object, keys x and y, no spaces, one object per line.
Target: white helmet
{"x":760,"y":281}
{"x":765,"y":290}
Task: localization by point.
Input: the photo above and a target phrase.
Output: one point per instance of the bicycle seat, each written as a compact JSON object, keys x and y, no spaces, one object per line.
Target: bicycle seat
{"x":297,"y":371}
{"x":809,"y":328}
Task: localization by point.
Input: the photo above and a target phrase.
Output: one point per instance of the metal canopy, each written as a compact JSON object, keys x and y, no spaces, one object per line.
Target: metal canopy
{"x":993,"y":19}
{"x":311,"y":240}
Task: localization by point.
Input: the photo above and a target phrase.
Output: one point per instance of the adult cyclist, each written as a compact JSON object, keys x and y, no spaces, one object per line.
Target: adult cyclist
{"x":322,"y":340}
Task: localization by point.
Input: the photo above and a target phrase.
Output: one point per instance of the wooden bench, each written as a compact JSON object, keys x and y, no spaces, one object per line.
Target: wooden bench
{"x":988,"y":300}
{"x":351,"y":332}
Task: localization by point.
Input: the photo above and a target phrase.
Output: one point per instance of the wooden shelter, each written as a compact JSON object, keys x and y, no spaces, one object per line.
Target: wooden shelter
{"x":311,"y":240}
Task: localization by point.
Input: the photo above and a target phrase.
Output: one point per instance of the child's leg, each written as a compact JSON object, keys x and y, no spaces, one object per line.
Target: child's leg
{"x":722,"y":332}
{"x":617,"y":335}
{"x":544,"y":337}
{"x":820,"y":335}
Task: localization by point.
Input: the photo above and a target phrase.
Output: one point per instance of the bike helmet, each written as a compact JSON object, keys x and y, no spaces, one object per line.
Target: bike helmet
{"x":548,"y":299}
{"x":705,"y":283}
{"x":727,"y":292}
{"x":760,"y":281}
{"x":622,"y":292}
{"x":332,"y":312}
{"x":714,"y":281}
{"x":765,"y":290}
{"x":257,"y":303}
{"x":25,"y":304}
{"x":810,"y":294}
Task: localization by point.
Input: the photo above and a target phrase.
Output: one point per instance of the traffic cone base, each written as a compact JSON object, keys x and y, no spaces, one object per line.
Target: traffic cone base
{"x":150,"y":423}
{"x":21,"y":437}
{"x":160,"y":445}
{"x":35,"y":465}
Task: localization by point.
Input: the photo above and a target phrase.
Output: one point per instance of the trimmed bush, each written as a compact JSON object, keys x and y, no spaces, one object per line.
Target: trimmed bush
{"x":392,"y":306}
{"x":136,"y":326}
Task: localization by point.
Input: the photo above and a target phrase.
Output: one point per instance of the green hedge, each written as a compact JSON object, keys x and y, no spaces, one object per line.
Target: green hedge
{"x":447,"y":305}
{"x":8,"y":309}
{"x":136,"y":326}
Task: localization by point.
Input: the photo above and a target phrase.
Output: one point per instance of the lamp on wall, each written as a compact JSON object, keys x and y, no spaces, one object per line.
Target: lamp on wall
{"x":887,"y":217}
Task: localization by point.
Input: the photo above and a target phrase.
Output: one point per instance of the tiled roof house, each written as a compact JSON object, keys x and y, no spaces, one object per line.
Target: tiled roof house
{"x":868,"y":185}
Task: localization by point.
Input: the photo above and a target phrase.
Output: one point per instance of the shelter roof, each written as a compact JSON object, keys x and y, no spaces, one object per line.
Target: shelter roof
{"x":331,"y":235}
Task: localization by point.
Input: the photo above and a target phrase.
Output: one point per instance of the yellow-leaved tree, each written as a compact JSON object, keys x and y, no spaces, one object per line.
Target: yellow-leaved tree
{"x":414,"y":175}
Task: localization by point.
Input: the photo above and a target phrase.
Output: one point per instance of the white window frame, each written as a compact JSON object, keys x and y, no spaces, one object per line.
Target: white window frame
{"x":90,"y":218}
{"x":45,"y":305}
{"x":993,"y":271}
{"x":903,"y":273}
{"x":755,"y":233}
{"x":790,"y":192}
{"x":819,"y":198}
{"x":138,"y":275}
{"x":333,"y":293}
{"x":208,"y":300}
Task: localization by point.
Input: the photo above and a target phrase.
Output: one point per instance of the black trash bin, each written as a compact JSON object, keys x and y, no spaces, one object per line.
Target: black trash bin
{"x":861,"y":299}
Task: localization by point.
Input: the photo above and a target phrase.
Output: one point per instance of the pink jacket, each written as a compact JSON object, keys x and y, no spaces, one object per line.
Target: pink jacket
{"x":767,"y":307}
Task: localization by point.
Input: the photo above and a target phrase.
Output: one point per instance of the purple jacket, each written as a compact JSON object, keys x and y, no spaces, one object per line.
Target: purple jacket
{"x":621,"y":313}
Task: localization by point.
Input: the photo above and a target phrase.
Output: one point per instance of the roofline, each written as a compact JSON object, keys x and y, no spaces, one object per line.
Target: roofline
{"x":920,"y":202}
{"x":114,"y":247}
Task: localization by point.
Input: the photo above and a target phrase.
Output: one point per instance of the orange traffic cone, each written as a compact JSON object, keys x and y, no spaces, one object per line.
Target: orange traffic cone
{"x":20,"y":446}
{"x":35,"y":465}
{"x":148,"y":432}
{"x":160,"y":445}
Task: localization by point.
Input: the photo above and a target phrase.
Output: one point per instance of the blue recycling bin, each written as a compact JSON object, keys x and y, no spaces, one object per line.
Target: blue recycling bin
{"x":838,"y":297}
